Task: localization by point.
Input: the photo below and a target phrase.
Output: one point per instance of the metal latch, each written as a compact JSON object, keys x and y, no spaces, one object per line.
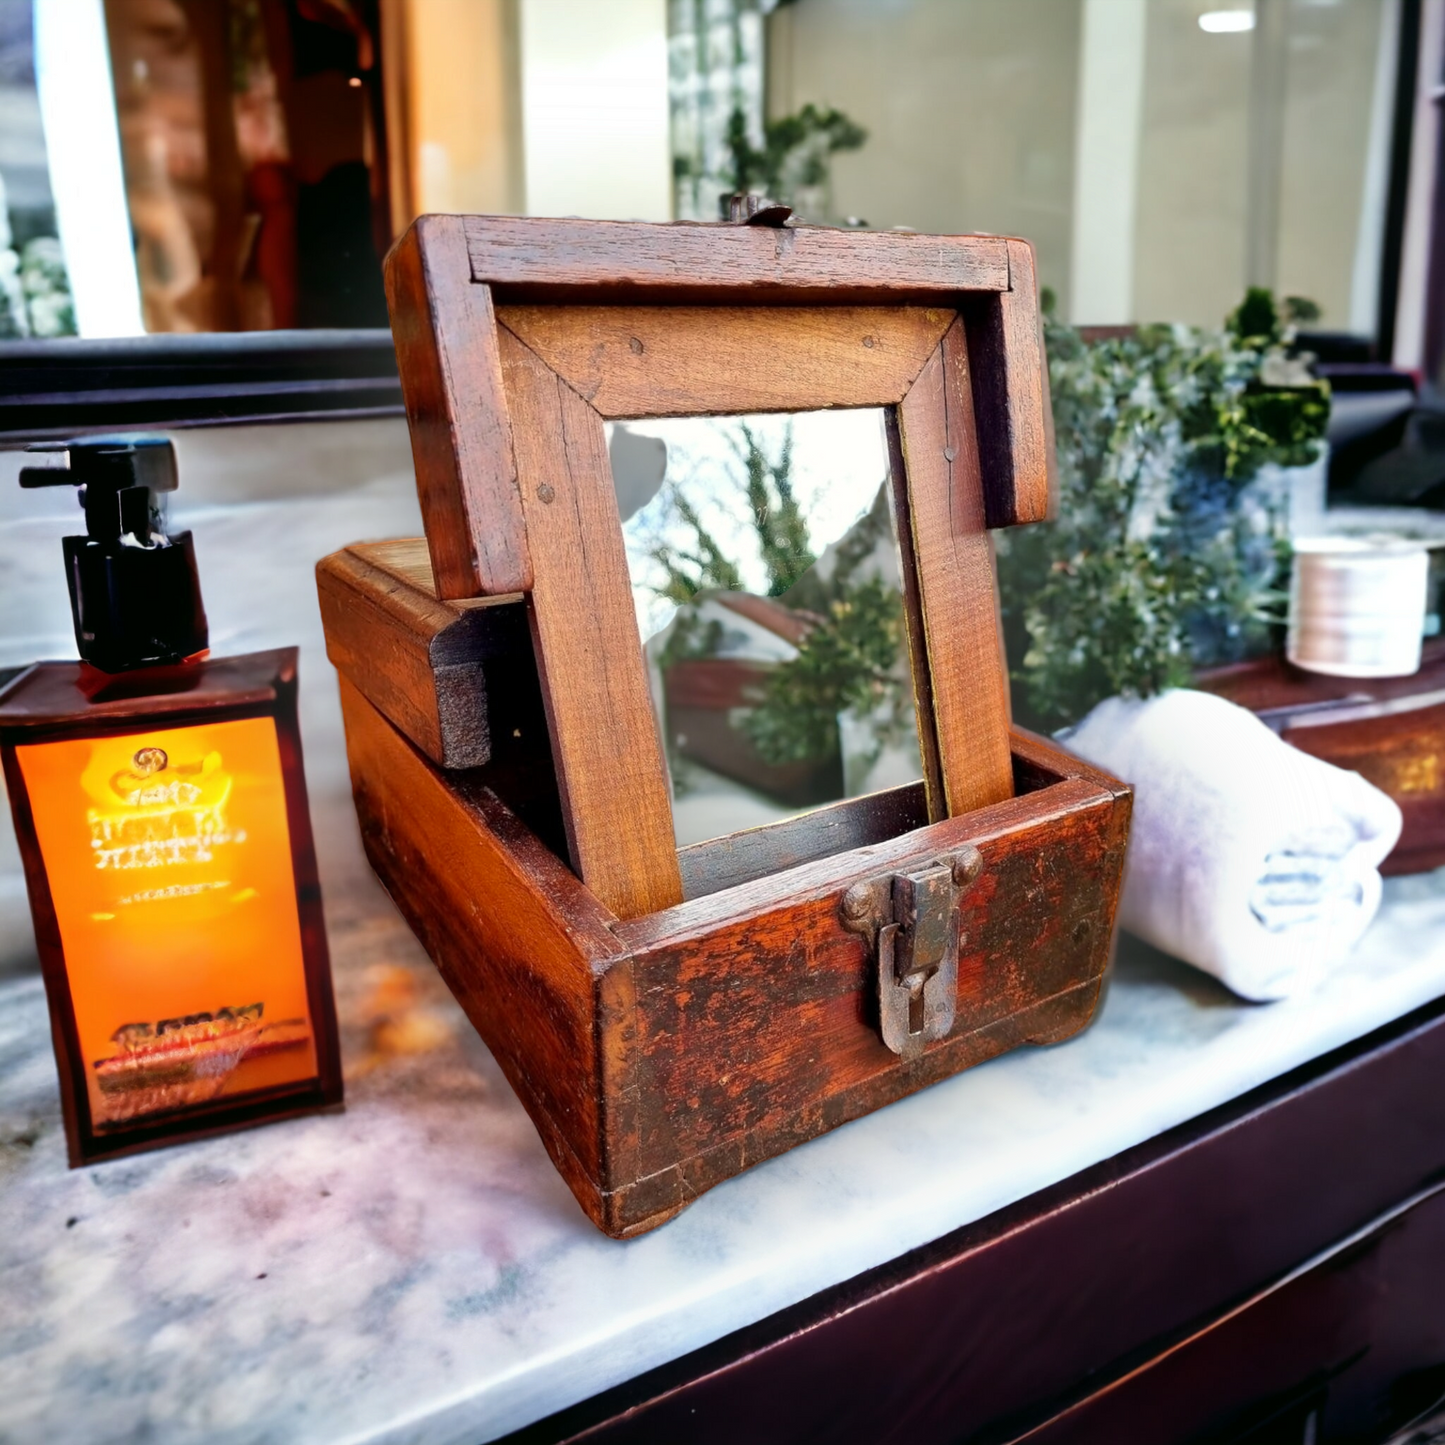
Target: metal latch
{"x":911,"y":919}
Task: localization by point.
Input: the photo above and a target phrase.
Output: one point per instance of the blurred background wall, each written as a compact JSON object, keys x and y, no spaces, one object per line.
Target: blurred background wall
{"x":244,"y":164}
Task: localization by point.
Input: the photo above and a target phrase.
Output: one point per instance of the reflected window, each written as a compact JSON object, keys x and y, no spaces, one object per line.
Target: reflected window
{"x":766,"y":576}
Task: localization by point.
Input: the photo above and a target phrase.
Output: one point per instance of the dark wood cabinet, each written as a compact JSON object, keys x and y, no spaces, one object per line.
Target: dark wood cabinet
{"x":1271,"y":1272}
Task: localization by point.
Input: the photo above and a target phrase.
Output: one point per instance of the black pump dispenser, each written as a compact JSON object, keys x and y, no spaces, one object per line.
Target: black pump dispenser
{"x":134,"y":589}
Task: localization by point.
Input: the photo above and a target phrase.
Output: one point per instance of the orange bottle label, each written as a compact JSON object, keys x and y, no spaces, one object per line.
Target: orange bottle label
{"x":168,"y":856}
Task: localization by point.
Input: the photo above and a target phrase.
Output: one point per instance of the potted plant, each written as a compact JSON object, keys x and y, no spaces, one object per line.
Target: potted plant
{"x":1172,"y":540}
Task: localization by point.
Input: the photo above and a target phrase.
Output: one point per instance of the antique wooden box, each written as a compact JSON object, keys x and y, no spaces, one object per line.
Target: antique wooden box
{"x":671,"y":1015}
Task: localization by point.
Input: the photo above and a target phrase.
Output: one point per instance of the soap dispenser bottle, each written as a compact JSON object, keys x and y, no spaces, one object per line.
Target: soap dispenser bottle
{"x":160,"y":804}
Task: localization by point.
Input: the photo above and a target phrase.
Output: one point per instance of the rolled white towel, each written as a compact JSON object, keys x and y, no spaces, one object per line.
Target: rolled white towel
{"x":1247,"y":858}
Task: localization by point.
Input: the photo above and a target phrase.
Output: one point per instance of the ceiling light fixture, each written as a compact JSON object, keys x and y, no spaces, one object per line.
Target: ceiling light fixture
{"x":1226,"y":22}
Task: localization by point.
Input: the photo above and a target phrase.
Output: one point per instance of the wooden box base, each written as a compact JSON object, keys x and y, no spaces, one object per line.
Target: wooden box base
{"x":661,"y":1055}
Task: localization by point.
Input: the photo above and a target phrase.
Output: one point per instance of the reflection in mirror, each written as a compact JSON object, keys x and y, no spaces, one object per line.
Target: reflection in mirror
{"x":766,"y":576}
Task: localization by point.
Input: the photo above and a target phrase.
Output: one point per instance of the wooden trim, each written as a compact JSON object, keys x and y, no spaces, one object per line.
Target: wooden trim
{"x":523,"y":256}
{"x":522,"y":966}
{"x":1032,"y":475}
{"x":635,"y":361}
{"x":953,"y":566}
{"x":1010,"y":385}
{"x":419,"y":660}
{"x":460,"y":434}
{"x":610,"y":769}
{"x":739,"y":858}
{"x":923,"y":710}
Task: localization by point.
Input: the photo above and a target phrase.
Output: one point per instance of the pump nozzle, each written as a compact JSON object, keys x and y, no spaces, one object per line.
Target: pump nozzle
{"x":134,"y":590}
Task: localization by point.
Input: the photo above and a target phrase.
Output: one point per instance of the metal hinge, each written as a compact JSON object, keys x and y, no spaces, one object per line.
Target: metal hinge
{"x":911,"y":920}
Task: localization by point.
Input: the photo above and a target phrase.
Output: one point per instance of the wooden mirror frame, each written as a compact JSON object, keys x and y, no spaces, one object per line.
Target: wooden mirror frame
{"x":518,"y":338}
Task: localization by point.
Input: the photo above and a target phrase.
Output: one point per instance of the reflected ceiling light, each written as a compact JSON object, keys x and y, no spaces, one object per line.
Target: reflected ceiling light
{"x":1226,"y":22}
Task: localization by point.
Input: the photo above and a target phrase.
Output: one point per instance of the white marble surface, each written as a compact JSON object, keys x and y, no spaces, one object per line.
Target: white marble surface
{"x":414,"y":1270}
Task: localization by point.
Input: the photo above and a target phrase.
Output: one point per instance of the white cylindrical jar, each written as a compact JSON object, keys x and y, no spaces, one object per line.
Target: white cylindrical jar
{"x":1357,"y":605}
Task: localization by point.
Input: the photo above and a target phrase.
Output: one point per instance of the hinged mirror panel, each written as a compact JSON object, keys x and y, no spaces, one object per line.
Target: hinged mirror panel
{"x":767,"y":581}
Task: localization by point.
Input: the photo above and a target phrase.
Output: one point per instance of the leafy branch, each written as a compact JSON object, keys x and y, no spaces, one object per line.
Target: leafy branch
{"x":848,"y":659}
{"x":845,"y":662}
{"x":797,"y":150}
{"x":1168,"y":549}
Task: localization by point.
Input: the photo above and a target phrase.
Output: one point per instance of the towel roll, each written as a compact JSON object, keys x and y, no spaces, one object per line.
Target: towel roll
{"x":1247,"y":858}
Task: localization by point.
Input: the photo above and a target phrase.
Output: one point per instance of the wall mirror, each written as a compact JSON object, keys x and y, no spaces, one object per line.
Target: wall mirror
{"x":767,"y":582}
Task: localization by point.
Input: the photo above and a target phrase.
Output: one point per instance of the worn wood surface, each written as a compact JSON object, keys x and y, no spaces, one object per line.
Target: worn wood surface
{"x":924,"y":714}
{"x":754,"y":1029}
{"x":663,"y":1045}
{"x":1390,"y":730}
{"x":636,"y":361}
{"x":421,"y":661}
{"x":951,"y":563}
{"x":1402,"y":754}
{"x":1009,"y":378}
{"x":738,"y":858}
{"x":461,"y":442}
{"x":662,"y":1055}
{"x":407,"y":560}
{"x":514,"y":934}
{"x":532,"y":257}
{"x":610,"y":768}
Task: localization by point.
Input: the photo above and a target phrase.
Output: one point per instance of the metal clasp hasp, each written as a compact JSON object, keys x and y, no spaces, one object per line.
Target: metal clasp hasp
{"x":911,"y":920}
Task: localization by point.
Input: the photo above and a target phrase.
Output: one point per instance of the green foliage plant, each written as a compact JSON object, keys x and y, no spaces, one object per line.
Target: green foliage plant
{"x":849,"y":659}
{"x":796,"y":153}
{"x":1169,"y":546}
{"x":766,"y":483}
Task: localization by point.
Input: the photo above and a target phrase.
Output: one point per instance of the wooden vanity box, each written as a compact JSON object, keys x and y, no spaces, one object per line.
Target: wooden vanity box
{"x":671,"y":1016}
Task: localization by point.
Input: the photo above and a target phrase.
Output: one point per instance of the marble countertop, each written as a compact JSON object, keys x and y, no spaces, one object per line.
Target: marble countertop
{"x":414,"y":1270}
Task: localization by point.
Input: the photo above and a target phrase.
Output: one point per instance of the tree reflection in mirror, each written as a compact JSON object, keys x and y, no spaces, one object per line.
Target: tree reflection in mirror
{"x":766,"y":576}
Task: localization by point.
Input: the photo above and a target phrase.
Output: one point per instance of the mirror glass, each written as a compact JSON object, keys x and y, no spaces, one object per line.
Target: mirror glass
{"x":766,"y":577}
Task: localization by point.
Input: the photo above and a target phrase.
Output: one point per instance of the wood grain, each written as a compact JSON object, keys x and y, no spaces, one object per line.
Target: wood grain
{"x":633,"y":361}
{"x":422,"y":662}
{"x":754,"y":1025}
{"x":1032,"y":481}
{"x":408,"y":561}
{"x":662,"y":1055}
{"x":516,"y":937}
{"x":739,"y":858}
{"x":1010,"y":382}
{"x":952,"y":565}
{"x":533,"y":257}
{"x":461,"y":442}
{"x":610,"y":769}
